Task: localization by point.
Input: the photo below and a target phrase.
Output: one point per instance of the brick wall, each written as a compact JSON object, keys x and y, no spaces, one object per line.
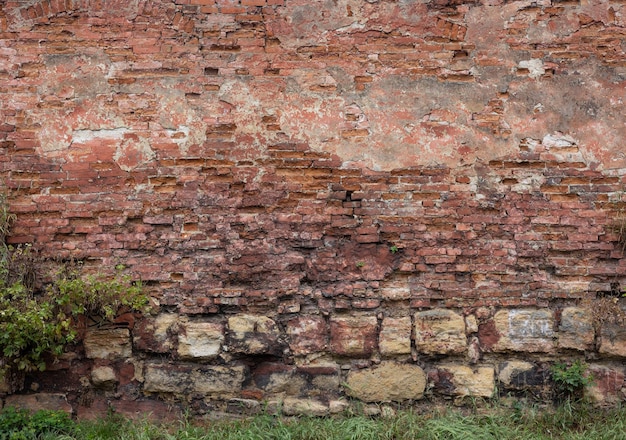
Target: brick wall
{"x":316,"y":193}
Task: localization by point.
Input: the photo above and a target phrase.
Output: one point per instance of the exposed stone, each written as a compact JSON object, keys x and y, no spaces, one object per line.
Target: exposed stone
{"x":197,"y":380}
{"x":40,"y":401}
{"x":338,"y":406}
{"x":387,"y":412}
{"x":325,"y":383}
{"x":576,"y":329}
{"x":103,"y":377}
{"x":395,"y":336}
{"x":107,"y":343}
{"x":521,"y":375}
{"x":396,"y":288}
{"x":154,"y":333}
{"x":613,"y":340}
{"x":440,"y":331}
{"x":529,"y":330}
{"x":307,"y":334}
{"x":164,"y":378}
{"x":253,"y":335}
{"x":304,"y":407}
{"x":218,"y":380}
{"x":607,"y":384}
{"x":322,"y":379}
{"x":474,"y":351}
{"x":460,"y":380}
{"x":275,"y":378}
{"x":389,"y":381}
{"x":244,"y":406}
{"x":372,"y":410}
{"x":471,"y":324}
{"x":200,"y":340}
{"x":353,"y":335}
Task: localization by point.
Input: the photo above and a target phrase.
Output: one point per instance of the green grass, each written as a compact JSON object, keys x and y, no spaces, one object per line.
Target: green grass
{"x":571,"y":422}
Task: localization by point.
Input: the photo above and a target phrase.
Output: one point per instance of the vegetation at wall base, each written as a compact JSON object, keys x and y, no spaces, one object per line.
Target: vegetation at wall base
{"x":571,"y":421}
{"x":39,"y":311}
{"x":570,"y":380}
{"x":19,"y":424}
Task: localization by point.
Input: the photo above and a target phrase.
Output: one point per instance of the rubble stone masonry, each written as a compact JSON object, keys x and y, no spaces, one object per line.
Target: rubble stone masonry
{"x":375,"y":200}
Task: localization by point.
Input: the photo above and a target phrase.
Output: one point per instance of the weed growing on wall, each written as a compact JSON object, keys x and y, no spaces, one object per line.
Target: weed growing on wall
{"x":38,"y":319}
{"x":570,"y":379}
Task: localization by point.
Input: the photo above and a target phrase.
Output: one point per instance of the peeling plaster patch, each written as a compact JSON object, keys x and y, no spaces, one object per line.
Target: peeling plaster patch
{"x":176,"y":137}
{"x":132,"y":153}
{"x":558,"y":140}
{"x":82,"y":136}
{"x":534,"y":66}
{"x":356,"y":26}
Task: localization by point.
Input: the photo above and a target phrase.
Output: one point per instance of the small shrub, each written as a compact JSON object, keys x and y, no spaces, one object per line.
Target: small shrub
{"x":33,"y":324}
{"x":570,"y":380}
{"x":38,"y":319}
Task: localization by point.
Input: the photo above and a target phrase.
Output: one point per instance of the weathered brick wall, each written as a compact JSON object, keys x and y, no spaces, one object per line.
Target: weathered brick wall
{"x":405,"y":196}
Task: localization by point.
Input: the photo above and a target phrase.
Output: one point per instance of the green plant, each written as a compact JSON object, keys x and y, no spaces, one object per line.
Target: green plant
{"x":38,"y":319}
{"x":20,"y":424}
{"x":97,"y":295}
{"x":360,"y":264}
{"x":6,"y":219}
{"x":393,"y":249}
{"x":33,"y":323}
{"x":570,"y":379}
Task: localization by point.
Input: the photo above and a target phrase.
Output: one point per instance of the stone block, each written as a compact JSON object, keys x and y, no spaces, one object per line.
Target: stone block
{"x":275,"y":378}
{"x":607,"y":385}
{"x":107,"y":343}
{"x":304,"y":407}
{"x":395,"y":336}
{"x":353,"y":335}
{"x":612,"y":340}
{"x":195,"y":380}
{"x":521,"y":375}
{"x":40,"y":401}
{"x":217,"y":380}
{"x":200,"y":340}
{"x":321,"y":379}
{"x":155,"y":333}
{"x":529,"y":330}
{"x":165,"y":378}
{"x":307,"y":334}
{"x":389,"y":381}
{"x":103,"y":377}
{"x":576,"y":329}
{"x":440,"y":331}
{"x":461,"y":380}
{"x":338,"y":406}
{"x":253,"y":334}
